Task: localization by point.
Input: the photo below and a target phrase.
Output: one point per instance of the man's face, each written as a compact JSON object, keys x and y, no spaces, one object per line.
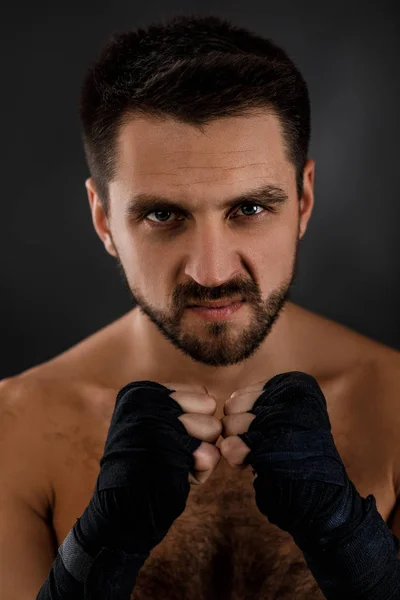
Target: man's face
{"x":175,"y":257}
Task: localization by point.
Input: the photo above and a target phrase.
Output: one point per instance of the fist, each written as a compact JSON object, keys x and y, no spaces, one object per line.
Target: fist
{"x":199,"y":409}
{"x":301,"y":479}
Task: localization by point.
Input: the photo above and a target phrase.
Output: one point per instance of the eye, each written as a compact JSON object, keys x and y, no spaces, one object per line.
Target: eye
{"x":252,"y":206}
{"x":163,"y":214}
{"x":159,"y":213}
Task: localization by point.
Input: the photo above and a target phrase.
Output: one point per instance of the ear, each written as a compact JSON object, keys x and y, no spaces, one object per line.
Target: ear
{"x":307,"y":199}
{"x":99,"y":218}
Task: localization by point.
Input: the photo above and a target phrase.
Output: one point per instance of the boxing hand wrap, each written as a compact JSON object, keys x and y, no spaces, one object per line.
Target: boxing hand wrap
{"x":302,"y":487}
{"x":141,"y":489}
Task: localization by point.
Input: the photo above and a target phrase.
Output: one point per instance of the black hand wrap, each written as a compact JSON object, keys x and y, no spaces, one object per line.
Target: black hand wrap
{"x":302,"y":487}
{"x":141,"y":489}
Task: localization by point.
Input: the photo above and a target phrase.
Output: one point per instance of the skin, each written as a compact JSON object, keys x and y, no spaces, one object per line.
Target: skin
{"x":170,"y":265}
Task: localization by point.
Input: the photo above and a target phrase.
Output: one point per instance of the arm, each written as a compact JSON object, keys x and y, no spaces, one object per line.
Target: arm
{"x":142,"y":487}
{"x":302,"y":486}
{"x":30,"y":562}
{"x":26,"y":549}
{"x":27,"y":543}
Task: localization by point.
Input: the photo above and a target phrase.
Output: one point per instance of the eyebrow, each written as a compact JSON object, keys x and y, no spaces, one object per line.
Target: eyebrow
{"x":142,"y":203}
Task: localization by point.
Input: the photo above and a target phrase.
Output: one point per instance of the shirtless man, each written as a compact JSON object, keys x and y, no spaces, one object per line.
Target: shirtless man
{"x":171,"y":201}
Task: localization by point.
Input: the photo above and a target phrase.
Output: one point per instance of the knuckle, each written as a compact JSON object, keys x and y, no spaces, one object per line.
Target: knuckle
{"x":234,"y":406}
{"x":218,"y":425}
{"x":195,"y":403}
{"x":201,"y":426}
{"x":211,"y":402}
{"x":228,"y":406}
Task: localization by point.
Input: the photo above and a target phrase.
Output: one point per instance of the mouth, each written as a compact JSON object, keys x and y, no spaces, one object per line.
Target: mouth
{"x":217,"y":303}
{"x":213,"y":313}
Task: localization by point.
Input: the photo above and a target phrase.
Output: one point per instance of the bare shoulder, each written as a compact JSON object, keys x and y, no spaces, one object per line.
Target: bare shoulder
{"x":23,"y":464}
{"x":362,"y":371}
{"x":366,"y":376}
{"x":341,"y":349}
{"x":98,"y":359}
{"x":53,"y":407}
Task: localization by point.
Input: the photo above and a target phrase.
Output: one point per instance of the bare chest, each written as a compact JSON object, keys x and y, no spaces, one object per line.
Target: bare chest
{"x":221,"y":547}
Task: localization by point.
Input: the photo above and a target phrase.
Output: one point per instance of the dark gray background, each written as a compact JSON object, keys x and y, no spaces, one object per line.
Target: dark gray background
{"x":58,"y":285}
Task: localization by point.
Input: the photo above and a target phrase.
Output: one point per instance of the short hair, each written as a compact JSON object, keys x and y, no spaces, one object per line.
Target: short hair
{"x":194,"y":69}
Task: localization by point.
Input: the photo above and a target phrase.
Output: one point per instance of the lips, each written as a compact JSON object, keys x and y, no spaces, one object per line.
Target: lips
{"x":217,"y":304}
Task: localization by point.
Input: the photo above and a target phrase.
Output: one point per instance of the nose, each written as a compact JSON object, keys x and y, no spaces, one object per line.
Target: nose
{"x":212,"y":256}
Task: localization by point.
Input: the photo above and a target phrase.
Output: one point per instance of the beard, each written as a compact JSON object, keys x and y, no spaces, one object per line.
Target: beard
{"x":217,"y":343}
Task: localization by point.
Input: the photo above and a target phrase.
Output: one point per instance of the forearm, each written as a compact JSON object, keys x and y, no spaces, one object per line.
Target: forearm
{"x":360,"y":564}
{"x":141,"y":489}
{"x":75,"y":575}
{"x":303,"y":487}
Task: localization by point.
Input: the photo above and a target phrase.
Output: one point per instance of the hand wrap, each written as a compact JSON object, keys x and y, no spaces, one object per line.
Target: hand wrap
{"x":302,"y":486}
{"x":141,"y":489}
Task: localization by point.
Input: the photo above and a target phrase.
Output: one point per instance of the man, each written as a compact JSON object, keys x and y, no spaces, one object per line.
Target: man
{"x":186,"y":127}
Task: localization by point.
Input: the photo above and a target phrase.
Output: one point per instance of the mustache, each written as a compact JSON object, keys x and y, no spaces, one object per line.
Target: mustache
{"x":229,"y":293}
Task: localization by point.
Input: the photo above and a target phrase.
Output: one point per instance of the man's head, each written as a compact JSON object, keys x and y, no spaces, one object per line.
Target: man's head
{"x":196,"y":135}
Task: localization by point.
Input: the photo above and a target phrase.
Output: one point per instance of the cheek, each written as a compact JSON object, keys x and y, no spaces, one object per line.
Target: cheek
{"x":275,"y":254}
{"x":145,"y":268}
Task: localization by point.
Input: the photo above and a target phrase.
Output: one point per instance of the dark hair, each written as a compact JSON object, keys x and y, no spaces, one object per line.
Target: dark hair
{"x":194,"y":69}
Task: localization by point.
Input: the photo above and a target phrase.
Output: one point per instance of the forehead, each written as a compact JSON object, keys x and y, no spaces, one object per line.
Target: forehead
{"x":175,"y":158}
